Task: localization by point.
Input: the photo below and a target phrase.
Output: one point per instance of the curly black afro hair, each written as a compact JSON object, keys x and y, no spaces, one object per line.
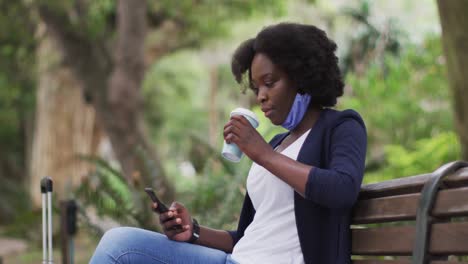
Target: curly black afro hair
{"x":303,"y":52}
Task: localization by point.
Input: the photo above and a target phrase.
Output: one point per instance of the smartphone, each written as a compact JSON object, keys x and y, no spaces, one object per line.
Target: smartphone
{"x":162,"y":208}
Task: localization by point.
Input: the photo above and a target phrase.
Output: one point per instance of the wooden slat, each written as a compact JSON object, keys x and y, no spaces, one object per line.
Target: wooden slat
{"x":409,"y":185}
{"x":387,"y":209}
{"x":384,"y":241}
{"x":446,"y":239}
{"x":449,"y":238}
{"x":449,"y":203}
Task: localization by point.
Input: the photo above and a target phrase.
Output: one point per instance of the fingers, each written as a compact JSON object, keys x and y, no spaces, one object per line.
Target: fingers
{"x":177,"y":207}
{"x":237,"y":121}
{"x":230,"y":130}
{"x":174,"y":232}
{"x":166,"y":216}
{"x":175,"y":222}
{"x":172,"y":224}
{"x":234,"y":127}
{"x":237,"y":118}
{"x":240,"y":119}
{"x":177,"y":212}
{"x":231,"y":138}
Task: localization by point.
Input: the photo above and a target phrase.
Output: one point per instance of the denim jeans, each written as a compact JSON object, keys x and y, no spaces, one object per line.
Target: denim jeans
{"x":125,"y":245}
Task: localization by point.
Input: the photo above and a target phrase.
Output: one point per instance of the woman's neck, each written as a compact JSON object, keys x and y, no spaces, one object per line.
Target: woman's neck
{"x":307,"y":122}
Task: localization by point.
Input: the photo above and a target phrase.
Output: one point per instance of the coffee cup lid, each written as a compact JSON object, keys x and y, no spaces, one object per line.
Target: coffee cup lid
{"x":244,"y":111}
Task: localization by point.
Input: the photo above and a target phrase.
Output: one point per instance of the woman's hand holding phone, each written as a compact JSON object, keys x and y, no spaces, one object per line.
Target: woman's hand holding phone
{"x":176,"y":220}
{"x":176,"y":223}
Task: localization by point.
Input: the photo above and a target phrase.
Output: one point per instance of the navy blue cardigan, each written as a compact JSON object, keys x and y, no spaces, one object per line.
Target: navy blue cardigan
{"x":336,"y":148}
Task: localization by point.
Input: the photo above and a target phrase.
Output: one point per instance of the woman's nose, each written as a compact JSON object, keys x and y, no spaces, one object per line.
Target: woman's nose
{"x":262,"y":95}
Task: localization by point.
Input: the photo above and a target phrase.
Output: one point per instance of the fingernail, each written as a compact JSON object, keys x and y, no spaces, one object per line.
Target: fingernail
{"x":178,"y":220}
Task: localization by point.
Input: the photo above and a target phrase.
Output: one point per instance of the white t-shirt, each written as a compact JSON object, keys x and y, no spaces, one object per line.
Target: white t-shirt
{"x":272,"y":235}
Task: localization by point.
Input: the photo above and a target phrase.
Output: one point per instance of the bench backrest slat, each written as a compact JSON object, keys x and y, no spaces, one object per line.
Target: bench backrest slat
{"x":450,"y":202}
{"x":411,"y":184}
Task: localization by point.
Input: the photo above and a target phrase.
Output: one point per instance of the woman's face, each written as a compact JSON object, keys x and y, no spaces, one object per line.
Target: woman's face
{"x":275,"y":92}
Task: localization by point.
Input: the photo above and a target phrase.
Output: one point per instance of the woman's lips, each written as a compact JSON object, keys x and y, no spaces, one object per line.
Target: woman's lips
{"x":267,"y":112}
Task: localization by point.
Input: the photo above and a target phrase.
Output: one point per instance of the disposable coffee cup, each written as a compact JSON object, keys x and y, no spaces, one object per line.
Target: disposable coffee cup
{"x":231,"y":151}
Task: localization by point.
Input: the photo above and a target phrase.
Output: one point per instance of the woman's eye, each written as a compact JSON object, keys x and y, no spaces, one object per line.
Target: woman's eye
{"x":255,"y":90}
{"x":269,"y":84}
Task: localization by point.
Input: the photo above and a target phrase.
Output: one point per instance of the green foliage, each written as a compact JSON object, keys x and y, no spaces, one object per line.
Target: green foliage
{"x":17,"y":95}
{"x":25,"y":225}
{"x":107,"y":190}
{"x":93,"y":20}
{"x":176,"y":80}
{"x":369,"y":42}
{"x":99,"y":17}
{"x":17,"y":46}
{"x":206,"y":19}
{"x":197,"y":21}
{"x":406,"y":107}
{"x":14,"y":196}
{"x":424,"y":156}
{"x":406,"y":100}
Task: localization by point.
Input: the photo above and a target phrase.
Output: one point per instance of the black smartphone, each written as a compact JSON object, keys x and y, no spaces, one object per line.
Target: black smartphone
{"x":162,"y":208}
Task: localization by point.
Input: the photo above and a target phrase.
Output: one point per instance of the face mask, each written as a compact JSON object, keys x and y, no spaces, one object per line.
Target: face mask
{"x":298,"y":109}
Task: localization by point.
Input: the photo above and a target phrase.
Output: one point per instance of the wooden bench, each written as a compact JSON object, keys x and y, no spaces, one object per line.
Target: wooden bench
{"x":418,"y":219}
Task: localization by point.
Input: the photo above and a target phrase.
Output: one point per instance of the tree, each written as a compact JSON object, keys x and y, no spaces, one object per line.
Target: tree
{"x":17,"y":82}
{"x":372,"y":43}
{"x":454,"y":37}
{"x":111,"y":86}
{"x":110,"y":70}
{"x":65,"y":125}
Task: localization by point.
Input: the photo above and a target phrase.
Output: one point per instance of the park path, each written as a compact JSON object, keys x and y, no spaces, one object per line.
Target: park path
{"x":11,"y":246}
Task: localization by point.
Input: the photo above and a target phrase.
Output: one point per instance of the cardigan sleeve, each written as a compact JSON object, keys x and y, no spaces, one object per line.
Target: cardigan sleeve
{"x":233,"y":234}
{"x":246,"y":217}
{"x":338,"y":186}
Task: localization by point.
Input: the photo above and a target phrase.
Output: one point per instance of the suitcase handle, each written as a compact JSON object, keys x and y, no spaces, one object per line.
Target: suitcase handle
{"x":46,"y":190}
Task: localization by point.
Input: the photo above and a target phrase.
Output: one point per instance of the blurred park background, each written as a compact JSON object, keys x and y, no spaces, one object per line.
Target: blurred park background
{"x":108,"y":97}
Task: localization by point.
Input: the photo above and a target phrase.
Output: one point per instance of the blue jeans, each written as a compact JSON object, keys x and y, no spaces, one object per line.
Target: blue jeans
{"x":125,"y":245}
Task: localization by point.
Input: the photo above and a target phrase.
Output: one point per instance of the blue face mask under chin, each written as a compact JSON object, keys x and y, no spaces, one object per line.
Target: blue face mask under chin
{"x":297,"y":112}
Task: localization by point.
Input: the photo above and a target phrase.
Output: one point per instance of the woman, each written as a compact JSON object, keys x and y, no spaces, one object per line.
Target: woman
{"x":301,"y":187}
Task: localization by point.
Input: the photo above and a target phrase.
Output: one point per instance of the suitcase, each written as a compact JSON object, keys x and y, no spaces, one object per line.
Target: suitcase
{"x":46,"y":191}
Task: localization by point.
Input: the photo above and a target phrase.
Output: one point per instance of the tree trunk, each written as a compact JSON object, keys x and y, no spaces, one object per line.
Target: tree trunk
{"x":112,"y":83}
{"x":65,"y":126}
{"x":454,"y":21}
{"x":127,"y":129}
{"x":124,"y":86}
